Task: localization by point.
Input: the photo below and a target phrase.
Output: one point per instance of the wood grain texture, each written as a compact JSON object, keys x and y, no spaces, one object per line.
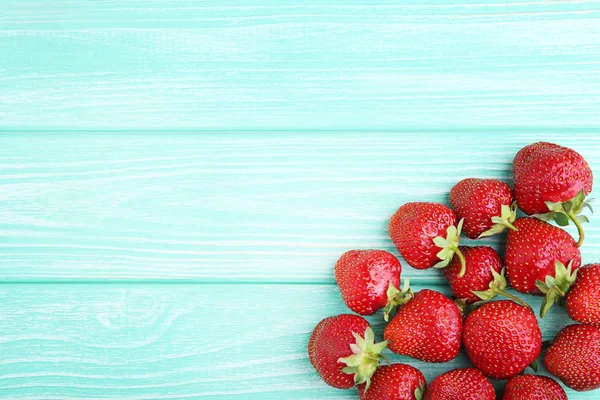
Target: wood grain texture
{"x":232,"y":208}
{"x":222,"y":245}
{"x":175,"y":341}
{"x":303,"y":65}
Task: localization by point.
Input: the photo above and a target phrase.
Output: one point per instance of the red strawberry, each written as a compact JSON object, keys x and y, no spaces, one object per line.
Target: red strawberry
{"x":552,"y":180}
{"x":533,"y":387}
{"x":574,"y":357}
{"x":502,"y":338}
{"x":394,"y":382}
{"x":366,"y":278}
{"x":480,"y":261}
{"x":343,"y":350}
{"x":425,"y":234}
{"x":461,"y":384}
{"x":583,"y":300}
{"x":536,"y":256}
{"x":485,"y":204}
{"x":427,"y":327}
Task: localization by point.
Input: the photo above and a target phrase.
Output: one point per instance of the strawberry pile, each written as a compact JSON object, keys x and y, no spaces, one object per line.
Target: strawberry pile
{"x":502,"y":337}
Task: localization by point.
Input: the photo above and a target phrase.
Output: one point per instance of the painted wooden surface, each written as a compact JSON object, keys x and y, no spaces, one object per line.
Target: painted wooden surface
{"x":221,"y":249}
{"x":231,"y":208}
{"x":221,"y":341}
{"x":177,"y":178}
{"x":270,"y":64}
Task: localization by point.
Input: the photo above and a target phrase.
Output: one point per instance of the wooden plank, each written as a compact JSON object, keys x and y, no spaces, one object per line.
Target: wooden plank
{"x":307,"y":65}
{"x":215,"y":208}
{"x":173,"y":341}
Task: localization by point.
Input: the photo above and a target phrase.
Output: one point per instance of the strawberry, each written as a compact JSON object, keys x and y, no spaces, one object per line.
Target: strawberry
{"x":485,"y":204}
{"x":480,"y":262}
{"x":583,"y":300}
{"x":461,"y":384}
{"x":502,"y":338}
{"x":394,"y":382}
{"x":574,"y":357}
{"x":426,"y":234}
{"x":533,"y":387}
{"x":369,"y":280}
{"x":535,"y":258}
{"x":343,"y":350}
{"x":427,"y":327}
{"x":484,"y":277}
{"x":552,"y":182}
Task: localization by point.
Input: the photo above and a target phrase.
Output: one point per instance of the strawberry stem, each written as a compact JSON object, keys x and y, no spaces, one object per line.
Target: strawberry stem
{"x":512,"y":297}
{"x":463,"y":262}
{"x":579,"y":228}
{"x":387,"y":360}
{"x":510,"y":226}
{"x":498,"y":286}
{"x":570,"y":210}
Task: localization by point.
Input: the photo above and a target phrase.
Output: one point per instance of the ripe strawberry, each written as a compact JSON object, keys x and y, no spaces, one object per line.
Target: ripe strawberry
{"x":366,"y":278}
{"x":427,"y":327}
{"x":552,"y":180}
{"x":533,"y":387}
{"x":535,"y":259}
{"x":480,"y":262}
{"x":343,"y":350}
{"x":460,"y":384}
{"x":484,"y":278}
{"x":394,"y":382}
{"x":502,"y":338}
{"x":425,"y":234}
{"x":583,"y":300}
{"x":574,"y":357}
{"x":485,"y":204}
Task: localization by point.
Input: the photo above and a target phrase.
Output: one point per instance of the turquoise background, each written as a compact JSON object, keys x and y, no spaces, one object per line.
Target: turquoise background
{"x":178,"y":178}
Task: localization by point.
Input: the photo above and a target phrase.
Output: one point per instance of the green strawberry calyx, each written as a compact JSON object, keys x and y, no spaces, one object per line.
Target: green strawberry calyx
{"x":397,"y":297}
{"x":365,"y":358}
{"x":534,"y":366}
{"x":557,"y":286}
{"x":566,"y":211}
{"x":449,"y":246}
{"x":419,"y":392}
{"x":465,"y":307}
{"x":498,"y":286}
{"x":508,"y":214}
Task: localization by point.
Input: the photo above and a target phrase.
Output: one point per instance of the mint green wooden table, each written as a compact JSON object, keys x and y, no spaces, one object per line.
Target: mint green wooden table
{"x":177,"y":179}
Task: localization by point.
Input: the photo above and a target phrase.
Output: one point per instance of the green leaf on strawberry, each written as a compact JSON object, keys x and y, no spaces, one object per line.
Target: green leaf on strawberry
{"x":498,"y":286}
{"x":508,"y":214}
{"x":556,"y":287}
{"x":566,"y":211}
{"x":419,"y":392}
{"x":365,"y":358}
{"x":397,"y":297}
{"x":449,"y":246}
